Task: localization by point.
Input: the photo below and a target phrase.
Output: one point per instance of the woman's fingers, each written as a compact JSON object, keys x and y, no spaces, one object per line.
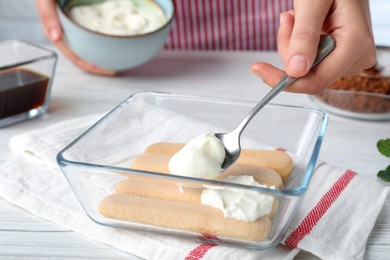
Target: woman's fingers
{"x":82,"y":63}
{"x":309,"y":84}
{"x":51,"y":25}
{"x":309,"y":19}
{"x":52,"y":29}
{"x":268,"y":73}
{"x":284,"y":34}
{"x":336,"y":64}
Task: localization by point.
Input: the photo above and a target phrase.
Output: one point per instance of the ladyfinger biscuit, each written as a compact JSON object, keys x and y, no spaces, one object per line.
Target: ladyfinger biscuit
{"x":152,"y":187}
{"x":279,"y":161}
{"x":163,"y":148}
{"x":276,"y":160}
{"x":152,"y":163}
{"x":262,"y":175}
{"x":167,"y":189}
{"x":159,"y":163}
{"x":184,"y":216}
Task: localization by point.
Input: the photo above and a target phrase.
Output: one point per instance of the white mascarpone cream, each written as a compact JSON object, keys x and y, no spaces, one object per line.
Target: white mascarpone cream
{"x":120,"y":17}
{"x":237,"y":204}
{"x":201,"y":157}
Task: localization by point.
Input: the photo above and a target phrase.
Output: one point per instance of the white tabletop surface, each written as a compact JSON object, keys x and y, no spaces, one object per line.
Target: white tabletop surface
{"x":348,"y":143}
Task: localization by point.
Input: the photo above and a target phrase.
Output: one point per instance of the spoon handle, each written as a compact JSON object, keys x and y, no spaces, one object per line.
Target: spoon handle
{"x":327,"y":44}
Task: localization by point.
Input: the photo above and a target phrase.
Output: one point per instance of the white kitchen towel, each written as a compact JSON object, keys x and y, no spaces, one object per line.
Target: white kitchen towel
{"x":333,"y":222}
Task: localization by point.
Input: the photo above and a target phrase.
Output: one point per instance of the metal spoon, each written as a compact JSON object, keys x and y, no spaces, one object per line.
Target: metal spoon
{"x":231,"y":140}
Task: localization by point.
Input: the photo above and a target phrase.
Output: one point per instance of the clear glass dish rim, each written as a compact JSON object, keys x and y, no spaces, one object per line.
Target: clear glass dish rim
{"x":50,"y":54}
{"x":298,"y":191}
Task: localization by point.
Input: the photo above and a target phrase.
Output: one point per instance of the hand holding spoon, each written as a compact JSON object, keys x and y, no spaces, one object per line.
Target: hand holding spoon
{"x":231,"y":140}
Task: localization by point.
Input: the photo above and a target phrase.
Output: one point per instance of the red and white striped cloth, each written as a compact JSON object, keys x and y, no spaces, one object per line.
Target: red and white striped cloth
{"x":226,"y":24}
{"x":334,"y":219}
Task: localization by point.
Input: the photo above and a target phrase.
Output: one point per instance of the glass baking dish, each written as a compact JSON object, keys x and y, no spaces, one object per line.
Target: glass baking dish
{"x":102,"y":156}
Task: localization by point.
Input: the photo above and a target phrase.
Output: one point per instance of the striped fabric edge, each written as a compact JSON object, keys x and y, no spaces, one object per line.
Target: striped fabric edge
{"x":199,"y":251}
{"x":308,"y":222}
{"x":316,"y":213}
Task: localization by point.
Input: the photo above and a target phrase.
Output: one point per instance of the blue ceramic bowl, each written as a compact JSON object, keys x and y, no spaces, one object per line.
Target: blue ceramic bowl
{"x":110,"y":52}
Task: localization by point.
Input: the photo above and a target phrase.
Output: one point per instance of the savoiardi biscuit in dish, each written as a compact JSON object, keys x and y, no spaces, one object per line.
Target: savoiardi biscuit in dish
{"x":168,"y":203}
{"x":159,"y":163}
{"x":159,"y":188}
{"x":279,"y":161}
{"x":167,"y":148}
{"x":181,"y":215}
{"x":169,"y":189}
{"x":262,"y":175}
{"x":151,"y":163}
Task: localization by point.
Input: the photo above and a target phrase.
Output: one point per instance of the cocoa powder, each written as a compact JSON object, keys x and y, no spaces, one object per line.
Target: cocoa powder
{"x":366,"y":92}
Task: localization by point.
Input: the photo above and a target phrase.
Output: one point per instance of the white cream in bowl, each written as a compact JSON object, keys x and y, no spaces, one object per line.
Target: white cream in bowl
{"x":120,"y":17}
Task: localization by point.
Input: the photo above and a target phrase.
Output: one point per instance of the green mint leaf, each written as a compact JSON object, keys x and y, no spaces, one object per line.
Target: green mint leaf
{"x":384,"y":147}
{"x":385,"y":174}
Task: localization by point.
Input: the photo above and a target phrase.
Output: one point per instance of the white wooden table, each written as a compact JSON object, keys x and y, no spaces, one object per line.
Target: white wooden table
{"x":348,"y":143}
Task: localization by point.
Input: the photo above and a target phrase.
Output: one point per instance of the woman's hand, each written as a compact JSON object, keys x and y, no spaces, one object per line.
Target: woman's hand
{"x":52,"y":29}
{"x":348,"y":21}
